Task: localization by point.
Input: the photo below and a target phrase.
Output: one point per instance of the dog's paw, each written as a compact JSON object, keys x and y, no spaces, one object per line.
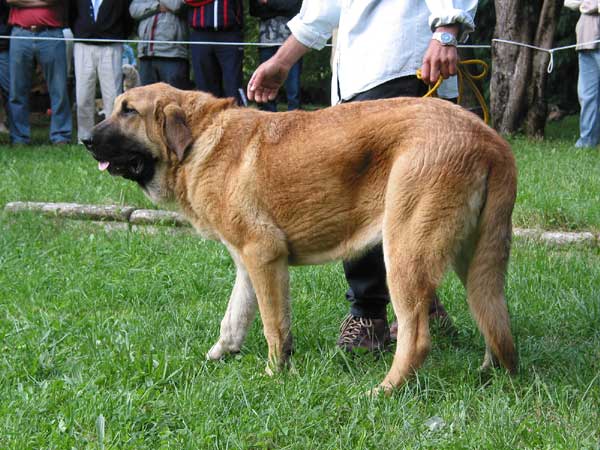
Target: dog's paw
{"x":287,"y":366}
{"x":269,"y":371}
{"x":218,"y":351}
{"x":380,"y":391}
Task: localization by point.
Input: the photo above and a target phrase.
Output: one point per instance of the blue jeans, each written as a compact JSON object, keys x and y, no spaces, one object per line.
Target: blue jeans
{"x":588,"y":91}
{"x":173,"y":71}
{"x":5,"y":84}
{"x":218,"y":68}
{"x":52,"y":57}
{"x":292,"y":84}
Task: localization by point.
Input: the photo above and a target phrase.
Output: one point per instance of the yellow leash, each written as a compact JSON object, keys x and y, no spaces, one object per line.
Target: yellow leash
{"x":464,"y":76}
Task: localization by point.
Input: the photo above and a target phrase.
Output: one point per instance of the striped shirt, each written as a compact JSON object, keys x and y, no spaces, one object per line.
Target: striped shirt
{"x":217,"y":15}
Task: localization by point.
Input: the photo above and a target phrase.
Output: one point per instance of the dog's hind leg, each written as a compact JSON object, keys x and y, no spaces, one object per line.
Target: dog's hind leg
{"x":422,"y":225}
{"x":240,"y":313}
{"x":267,"y":266}
{"x":411,"y":282}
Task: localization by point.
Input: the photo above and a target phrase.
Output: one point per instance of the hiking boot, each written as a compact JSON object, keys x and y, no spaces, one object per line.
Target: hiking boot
{"x":437,"y":314}
{"x":363,"y":333}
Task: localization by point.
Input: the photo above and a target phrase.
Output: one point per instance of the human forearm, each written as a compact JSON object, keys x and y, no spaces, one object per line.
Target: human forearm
{"x":270,"y":75}
{"x":453,"y":12}
{"x":290,"y":53}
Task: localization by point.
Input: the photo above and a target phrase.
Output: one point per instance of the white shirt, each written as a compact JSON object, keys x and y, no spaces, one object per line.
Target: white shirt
{"x":378,"y":40}
{"x":96,"y":7}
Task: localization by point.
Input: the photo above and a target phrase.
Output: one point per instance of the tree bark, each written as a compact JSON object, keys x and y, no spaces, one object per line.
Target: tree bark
{"x":544,"y":36}
{"x":518,"y":83}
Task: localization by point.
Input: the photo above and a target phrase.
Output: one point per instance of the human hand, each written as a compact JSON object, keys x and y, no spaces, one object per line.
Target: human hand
{"x":266,"y":81}
{"x":440,"y":60}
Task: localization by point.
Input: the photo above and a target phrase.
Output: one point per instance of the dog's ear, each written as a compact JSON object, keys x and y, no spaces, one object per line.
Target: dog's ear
{"x":177,"y":133}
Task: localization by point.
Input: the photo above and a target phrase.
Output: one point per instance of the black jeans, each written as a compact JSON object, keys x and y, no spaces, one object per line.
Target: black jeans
{"x":218,"y":68}
{"x":366,"y":276}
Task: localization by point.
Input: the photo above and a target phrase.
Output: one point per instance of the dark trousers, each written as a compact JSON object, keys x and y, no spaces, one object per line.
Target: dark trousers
{"x":292,"y":83}
{"x":218,"y":68}
{"x":366,"y":276}
{"x":173,"y":71}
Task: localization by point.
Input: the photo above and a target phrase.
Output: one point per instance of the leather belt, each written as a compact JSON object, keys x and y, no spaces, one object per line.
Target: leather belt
{"x":36,"y":28}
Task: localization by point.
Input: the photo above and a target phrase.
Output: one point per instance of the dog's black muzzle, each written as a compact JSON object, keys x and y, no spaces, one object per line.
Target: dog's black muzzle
{"x":120,"y":154}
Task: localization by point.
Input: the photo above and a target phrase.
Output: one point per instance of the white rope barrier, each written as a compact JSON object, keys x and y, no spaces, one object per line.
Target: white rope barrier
{"x":550,"y":51}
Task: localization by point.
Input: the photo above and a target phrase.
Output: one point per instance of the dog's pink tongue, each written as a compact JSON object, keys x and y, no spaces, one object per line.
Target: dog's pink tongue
{"x":103,"y":165}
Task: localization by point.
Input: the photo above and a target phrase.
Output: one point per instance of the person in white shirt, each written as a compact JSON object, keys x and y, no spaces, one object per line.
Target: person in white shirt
{"x":380,"y":45}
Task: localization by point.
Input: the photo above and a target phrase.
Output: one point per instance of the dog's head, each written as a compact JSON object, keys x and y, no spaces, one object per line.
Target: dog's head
{"x":149,"y":131}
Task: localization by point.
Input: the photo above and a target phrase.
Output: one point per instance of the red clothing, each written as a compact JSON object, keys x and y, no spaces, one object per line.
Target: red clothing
{"x":49,"y":16}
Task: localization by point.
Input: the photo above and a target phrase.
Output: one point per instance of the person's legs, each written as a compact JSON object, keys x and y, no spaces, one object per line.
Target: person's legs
{"x":264,"y":53}
{"x":110,"y":74}
{"x":588,"y":91}
{"x":85,"y":88}
{"x":147,"y":73}
{"x":292,"y":86}
{"x":21,"y":68}
{"x":53,"y":59}
{"x":5,"y":85}
{"x":366,"y":326}
{"x":230,"y":60}
{"x":207,"y":73}
{"x":173,"y":71}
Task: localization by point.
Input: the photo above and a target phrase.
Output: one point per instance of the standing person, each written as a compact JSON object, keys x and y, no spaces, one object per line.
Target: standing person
{"x":380,"y":45}
{"x":101,"y":20}
{"x":588,"y":83}
{"x":4,"y":71}
{"x":32,"y":19}
{"x":217,"y":68}
{"x":162,"y":21}
{"x":272,"y":29}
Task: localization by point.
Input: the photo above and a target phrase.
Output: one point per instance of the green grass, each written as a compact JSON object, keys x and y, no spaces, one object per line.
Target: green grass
{"x":116,"y":324}
{"x":559,"y":185}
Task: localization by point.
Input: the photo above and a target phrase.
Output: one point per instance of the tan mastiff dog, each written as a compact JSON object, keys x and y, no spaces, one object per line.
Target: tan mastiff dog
{"x":425,"y":177}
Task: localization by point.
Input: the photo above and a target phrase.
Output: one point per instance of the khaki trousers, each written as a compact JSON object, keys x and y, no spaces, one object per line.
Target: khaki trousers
{"x":92,"y":63}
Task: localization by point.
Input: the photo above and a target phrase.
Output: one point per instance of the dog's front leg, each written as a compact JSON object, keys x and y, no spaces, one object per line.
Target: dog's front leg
{"x":270,"y":279}
{"x":238,"y":317}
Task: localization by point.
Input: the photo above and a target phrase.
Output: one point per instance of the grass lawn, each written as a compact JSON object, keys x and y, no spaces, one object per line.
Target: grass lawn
{"x":112,"y":328}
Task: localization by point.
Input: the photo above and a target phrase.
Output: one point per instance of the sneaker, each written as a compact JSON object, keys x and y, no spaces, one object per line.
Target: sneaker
{"x":437,"y":314}
{"x":363,"y":333}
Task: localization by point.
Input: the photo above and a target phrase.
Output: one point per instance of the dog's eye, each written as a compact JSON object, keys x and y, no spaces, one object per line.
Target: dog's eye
{"x":126,"y":109}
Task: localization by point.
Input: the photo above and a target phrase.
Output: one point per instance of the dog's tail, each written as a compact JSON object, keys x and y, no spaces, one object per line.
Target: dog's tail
{"x":486,"y":272}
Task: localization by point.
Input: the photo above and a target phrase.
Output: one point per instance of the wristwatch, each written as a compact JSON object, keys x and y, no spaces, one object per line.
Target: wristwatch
{"x":444,"y":38}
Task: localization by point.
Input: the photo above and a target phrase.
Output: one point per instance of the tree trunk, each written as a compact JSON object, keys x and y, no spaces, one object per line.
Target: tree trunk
{"x":518,"y":84}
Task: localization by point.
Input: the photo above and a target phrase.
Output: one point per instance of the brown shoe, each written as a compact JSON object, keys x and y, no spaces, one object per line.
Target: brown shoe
{"x":363,"y":333}
{"x":437,"y":314}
